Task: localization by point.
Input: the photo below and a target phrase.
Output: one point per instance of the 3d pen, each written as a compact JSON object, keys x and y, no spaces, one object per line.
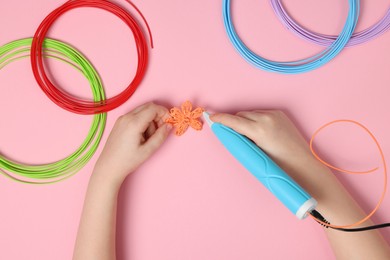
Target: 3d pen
{"x":293,"y":196}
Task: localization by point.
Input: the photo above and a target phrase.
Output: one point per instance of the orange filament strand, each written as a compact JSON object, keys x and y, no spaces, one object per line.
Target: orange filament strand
{"x":353,"y":172}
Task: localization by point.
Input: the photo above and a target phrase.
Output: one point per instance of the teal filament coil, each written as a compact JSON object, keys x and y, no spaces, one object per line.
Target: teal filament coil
{"x":61,"y":169}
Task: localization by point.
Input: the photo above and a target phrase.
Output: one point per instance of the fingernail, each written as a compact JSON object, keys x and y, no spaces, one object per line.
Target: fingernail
{"x":169,"y":127}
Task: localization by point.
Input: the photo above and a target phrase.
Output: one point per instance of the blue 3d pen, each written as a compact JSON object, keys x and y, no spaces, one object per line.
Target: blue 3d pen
{"x":296,"y":199}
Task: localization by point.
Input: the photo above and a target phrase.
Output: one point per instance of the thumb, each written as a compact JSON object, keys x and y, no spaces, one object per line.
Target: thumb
{"x":237,"y":123}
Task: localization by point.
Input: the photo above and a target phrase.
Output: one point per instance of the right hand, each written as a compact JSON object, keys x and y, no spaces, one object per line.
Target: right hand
{"x":277,"y":136}
{"x":273,"y":132}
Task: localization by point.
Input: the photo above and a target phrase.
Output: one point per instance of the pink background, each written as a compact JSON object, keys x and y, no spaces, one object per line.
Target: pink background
{"x":191,"y":200}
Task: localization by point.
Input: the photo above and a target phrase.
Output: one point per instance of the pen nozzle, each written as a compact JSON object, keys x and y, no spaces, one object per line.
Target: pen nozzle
{"x":206,"y":117}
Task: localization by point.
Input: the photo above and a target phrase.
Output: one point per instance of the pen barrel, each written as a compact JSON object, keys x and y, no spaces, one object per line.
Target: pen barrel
{"x":256,"y":161}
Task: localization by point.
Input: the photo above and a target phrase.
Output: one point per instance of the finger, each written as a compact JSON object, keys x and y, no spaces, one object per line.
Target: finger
{"x":161,"y":121}
{"x":141,"y":107}
{"x":237,"y":123}
{"x":260,"y":116}
{"x":147,"y":106}
{"x":150,"y":113}
{"x":248,"y":115}
{"x":157,"y":139}
{"x":263,"y":110}
{"x":150,"y":130}
{"x":154,"y":112}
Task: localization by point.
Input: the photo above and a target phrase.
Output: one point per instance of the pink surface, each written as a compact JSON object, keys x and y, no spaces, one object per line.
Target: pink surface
{"x":212,"y":209}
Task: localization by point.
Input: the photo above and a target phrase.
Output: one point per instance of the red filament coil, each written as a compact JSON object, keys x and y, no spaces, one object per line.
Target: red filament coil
{"x":67,"y":101}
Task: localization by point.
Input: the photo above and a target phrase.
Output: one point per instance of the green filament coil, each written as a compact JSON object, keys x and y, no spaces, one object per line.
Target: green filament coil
{"x":62,"y":169}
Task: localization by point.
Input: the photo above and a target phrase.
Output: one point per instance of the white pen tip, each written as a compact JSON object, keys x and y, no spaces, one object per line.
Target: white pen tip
{"x":206,"y":116}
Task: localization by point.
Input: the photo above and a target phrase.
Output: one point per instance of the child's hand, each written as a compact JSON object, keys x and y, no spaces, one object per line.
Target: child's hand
{"x":276,"y":135}
{"x":133,"y":139}
{"x":273,"y":132}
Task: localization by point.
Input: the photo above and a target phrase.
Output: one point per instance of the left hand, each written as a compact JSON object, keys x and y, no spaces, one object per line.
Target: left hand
{"x":133,"y":139}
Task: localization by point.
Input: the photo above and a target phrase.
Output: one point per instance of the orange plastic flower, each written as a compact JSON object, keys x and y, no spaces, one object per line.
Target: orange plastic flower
{"x":182,"y":119}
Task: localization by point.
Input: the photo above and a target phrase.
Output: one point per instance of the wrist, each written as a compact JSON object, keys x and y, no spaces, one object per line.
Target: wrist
{"x":334,"y":201}
{"x":106,"y":178}
{"x":321,"y":183}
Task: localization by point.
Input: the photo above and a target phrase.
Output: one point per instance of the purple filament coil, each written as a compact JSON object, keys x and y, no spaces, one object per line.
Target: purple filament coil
{"x":326,"y":40}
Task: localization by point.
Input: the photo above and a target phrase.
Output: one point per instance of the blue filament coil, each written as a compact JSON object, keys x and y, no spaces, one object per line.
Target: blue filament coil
{"x":298,"y":66}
